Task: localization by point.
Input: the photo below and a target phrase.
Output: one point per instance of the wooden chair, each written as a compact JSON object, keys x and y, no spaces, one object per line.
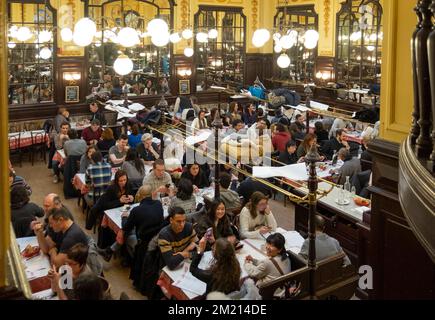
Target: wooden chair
{"x":14,"y":140}
{"x":38,"y":145}
{"x":332,"y":280}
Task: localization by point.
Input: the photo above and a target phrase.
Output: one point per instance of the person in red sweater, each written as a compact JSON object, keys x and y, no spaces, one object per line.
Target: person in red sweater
{"x":280,"y":138}
{"x":93,"y":133}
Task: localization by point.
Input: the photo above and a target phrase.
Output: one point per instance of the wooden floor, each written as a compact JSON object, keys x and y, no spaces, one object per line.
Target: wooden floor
{"x":40,"y":179}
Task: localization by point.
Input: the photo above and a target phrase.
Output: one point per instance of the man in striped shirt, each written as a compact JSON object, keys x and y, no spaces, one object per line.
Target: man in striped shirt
{"x":98,"y":174}
{"x":177,"y":240}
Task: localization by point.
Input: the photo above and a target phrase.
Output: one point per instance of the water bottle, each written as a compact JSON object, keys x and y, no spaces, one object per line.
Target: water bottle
{"x":360,"y":152}
{"x":347,"y":185}
{"x":353,"y":192}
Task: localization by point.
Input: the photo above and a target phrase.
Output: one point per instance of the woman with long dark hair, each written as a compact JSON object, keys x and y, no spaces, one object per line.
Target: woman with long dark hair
{"x":184,"y":197}
{"x":216,"y":219}
{"x":256,"y":219}
{"x":134,"y":167}
{"x":276,"y":265}
{"x":119,"y":192}
{"x":224,"y":274}
{"x":196,"y":175}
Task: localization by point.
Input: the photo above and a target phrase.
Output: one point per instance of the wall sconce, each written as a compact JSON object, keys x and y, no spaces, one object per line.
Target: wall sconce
{"x":184,"y":72}
{"x":72,"y":77}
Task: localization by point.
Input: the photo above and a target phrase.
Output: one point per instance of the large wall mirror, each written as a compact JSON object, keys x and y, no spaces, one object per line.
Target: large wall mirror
{"x":152,"y":66}
{"x":31,"y":44}
{"x":359,"y":43}
{"x":301,"y":19}
{"x":220,"y":61}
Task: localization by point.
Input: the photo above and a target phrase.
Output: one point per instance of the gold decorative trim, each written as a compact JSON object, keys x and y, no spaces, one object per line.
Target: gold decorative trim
{"x":254,"y":11}
{"x":327,"y":12}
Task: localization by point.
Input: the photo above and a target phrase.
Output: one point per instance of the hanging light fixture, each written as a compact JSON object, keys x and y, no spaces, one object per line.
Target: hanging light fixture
{"x":13,"y":31}
{"x":45,"y":53}
{"x":202,"y":37}
{"x":84,"y":32}
{"x":188,"y":52}
{"x":45,"y":36}
{"x":128,"y":37}
{"x":123,"y":65}
{"x":160,"y":40}
{"x":213,"y":34}
{"x":11,"y":45}
{"x":187,"y":34}
{"x":66,"y":34}
{"x":283,"y":61}
{"x":277,"y":48}
{"x":260,"y":37}
{"x":157,"y":26}
{"x":24,"y":34}
{"x":175,"y":37}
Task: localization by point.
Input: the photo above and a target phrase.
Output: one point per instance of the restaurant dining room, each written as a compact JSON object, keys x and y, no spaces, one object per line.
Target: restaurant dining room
{"x":217,"y":150}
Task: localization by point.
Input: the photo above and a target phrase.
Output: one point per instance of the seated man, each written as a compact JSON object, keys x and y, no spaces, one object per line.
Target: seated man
{"x":335,"y":144}
{"x":74,"y":146}
{"x":177,"y":240}
{"x":69,"y":234}
{"x":93,"y":133}
{"x":229,"y":197}
{"x":118,"y":152}
{"x":147,"y":150}
{"x":350,"y":168}
{"x":98,"y":175}
{"x":326,"y":246}
{"x":158,"y":178}
{"x":97,"y":114}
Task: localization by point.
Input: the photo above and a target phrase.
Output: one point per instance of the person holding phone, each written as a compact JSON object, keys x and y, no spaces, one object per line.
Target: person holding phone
{"x":256,"y":218}
{"x":215,"y":224}
{"x":335,"y":144}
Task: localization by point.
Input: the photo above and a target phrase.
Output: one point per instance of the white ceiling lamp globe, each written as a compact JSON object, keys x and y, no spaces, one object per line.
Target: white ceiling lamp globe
{"x":277,"y":48}
{"x":202,"y":37}
{"x":276,"y":36}
{"x":98,"y":44}
{"x":123,"y":65}
{"x":45,"y":36}
{"x":310,"y":44}
{"x":160,"y":40}
{"x":213,"y":34}
{"x":260,"y":37}
{"x":157,"y":26}
{"x":85,"y":26}
{"x":188,"y":52}
{"x":128,"y":37}
{"x":66,"y":34}
{"x":187,"y":34}
{"x":82,"y":39}
{"x":45,"y":53}
{"x":13,"y":31}
{"x":371,"y":48}
{"x":283,"y":61}
{"x":24,"y":34}
{"x":286,"y":42}
{"x":175,"y":37}
{"x":312,"y":36}
{"x":12,"y":45}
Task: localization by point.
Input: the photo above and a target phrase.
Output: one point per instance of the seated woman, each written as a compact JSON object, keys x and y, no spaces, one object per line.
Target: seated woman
{"x":23,"y":211}
{"x":196,"y":175}
{"x":184,"y":197}
{"x":134,"y":138}
{"x":309,"y":140}
{"x":218,"y":221}
{"x":107,"y":141}
{"x":256,"y":218}
{"x":86,"y":160}
{"x":135,"y":169}
{"x":224,"y":274}
{"x":200,"y":122}
{"x":276,"y":265}
{"x":76,"y":259}
{"x":288,"y":156}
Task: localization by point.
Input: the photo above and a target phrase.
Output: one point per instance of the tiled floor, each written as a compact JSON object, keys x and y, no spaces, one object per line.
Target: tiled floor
{"x":40,"y":179}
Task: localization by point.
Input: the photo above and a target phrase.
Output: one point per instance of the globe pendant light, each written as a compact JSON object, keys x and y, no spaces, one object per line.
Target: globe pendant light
{"x":84,"y":32}
{"x":24,"y":34}
{"x":175,"y":37}
{"x":44,"y":36}
{"x":12,"y":45}
{"x":157,"y":26}
{"x":277,"y":48}
{"x":123,"y":65}
{"x":213,"y":34}
{"x":66,"y":34}
{"x":187,"y":34}
{"x":188,"y":52}
{"x":202,"y":37}
{"x":311,"y":39}
{"x":128,"y":37}
{"x":45,"y":53}
{"x":160,"y":40}
{"x":283,"y":61}
{"x":260,"y":37}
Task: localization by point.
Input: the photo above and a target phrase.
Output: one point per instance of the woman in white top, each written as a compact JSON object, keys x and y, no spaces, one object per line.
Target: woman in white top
{"x":276,"y":265}
{"x":200,"y":122}
{"x":256,"y":219}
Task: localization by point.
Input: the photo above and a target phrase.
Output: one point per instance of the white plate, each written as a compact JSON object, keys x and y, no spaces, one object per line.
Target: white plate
{"x":345,"y":202}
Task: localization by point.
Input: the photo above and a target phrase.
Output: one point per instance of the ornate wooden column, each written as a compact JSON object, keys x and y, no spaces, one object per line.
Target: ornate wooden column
{"x":431,"y":55}
{"x":415,"y":129}
{"x":424,"y":143}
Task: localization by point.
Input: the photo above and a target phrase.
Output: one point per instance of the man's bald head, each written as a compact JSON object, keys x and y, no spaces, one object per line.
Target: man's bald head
{"x":49,"y":202}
